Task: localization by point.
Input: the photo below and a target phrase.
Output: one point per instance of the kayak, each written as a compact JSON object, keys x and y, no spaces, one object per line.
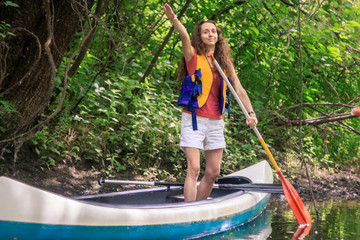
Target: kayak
{"x":27,"y":212}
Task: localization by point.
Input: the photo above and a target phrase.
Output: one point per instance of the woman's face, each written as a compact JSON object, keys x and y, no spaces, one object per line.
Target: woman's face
{"x":209,"y":35}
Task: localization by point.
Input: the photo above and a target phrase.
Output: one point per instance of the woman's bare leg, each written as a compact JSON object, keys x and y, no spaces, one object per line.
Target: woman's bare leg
{"x":192,"y":174}
{"x":212,"y":171}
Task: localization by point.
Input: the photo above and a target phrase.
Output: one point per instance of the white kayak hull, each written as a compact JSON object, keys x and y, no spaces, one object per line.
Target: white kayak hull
{"x":27,"y":212}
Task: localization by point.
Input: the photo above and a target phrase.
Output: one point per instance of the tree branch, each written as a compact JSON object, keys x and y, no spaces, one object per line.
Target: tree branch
{"x":100,"y":9}
{"x":281,"y":121}
{"x":317,"y":121}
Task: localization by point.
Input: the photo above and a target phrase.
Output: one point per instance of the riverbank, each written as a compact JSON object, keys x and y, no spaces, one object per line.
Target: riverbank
{"x":74,"y":180}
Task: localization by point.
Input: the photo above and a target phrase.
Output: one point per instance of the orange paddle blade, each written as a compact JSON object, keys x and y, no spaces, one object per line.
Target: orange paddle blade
{"x":297,"y":206}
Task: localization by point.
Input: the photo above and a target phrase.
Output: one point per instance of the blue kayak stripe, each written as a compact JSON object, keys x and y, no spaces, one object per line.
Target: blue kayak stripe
{"x":18,"y":230}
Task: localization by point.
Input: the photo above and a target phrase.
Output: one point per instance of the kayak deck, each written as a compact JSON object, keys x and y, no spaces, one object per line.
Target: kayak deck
{"x":151,"y":197}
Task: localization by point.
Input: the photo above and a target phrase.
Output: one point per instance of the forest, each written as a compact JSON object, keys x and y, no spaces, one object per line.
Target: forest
{"x":93,"y":84}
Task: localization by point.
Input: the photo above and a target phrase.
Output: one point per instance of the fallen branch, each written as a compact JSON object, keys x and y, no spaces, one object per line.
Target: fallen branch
{"x":317,"y":121}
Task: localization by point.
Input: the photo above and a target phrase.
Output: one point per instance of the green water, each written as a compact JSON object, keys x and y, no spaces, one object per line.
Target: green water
{"x":337,"y":220}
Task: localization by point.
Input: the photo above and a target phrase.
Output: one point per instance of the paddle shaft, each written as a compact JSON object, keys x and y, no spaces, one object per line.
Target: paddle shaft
{"x":297,"y":206}
{"x":232,"y":90}
{"x":254,"y":187}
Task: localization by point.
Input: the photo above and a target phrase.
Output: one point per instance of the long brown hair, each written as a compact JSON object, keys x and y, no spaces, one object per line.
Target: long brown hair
{"x":222,"y":51}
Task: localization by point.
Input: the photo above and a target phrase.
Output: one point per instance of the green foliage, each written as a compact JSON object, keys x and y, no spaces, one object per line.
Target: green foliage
{"x":10,"y":4}
{"x":116,"y":129}
{"x":118,"y":124}
{"x":4,"y":29}
{"x":123,"y":129}
{"x":5,"y":106}
{"x":47,"y":146}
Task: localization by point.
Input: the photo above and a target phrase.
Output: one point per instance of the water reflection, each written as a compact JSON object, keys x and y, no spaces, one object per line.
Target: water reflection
{"x":301,"y":232}
{"x":258,"y":229}
{"x":337,"y":220}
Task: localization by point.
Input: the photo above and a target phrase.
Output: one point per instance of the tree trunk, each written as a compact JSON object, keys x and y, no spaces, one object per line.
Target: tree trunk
{"x":27,"y":77}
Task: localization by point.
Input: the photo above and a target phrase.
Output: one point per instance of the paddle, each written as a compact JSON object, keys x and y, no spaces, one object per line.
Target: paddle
{"x":226,"y":183}
{"x":301,"y":232}
{"x":293,"y":198}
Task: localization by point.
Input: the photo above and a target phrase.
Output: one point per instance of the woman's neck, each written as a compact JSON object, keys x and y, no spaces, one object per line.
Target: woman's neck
{"x":210,"y":49}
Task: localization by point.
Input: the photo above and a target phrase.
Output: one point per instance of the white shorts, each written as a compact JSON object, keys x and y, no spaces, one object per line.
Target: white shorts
{"x":209,"y":136}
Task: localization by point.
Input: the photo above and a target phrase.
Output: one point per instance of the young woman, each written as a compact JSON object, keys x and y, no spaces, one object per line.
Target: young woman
{"x":203,"y":94}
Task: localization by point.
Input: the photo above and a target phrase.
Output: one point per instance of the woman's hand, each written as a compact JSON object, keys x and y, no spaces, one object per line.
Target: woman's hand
{"x":169,"y":12}
{"x":252,"y":121}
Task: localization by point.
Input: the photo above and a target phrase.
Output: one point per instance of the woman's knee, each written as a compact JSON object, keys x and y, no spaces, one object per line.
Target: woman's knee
{"x":193,"y":171}
{"x":212,"y":174}
{"x":193,"y":162}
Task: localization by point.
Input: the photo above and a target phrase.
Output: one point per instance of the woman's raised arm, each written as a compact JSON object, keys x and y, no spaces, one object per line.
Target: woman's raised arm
{"x":188,"y":51}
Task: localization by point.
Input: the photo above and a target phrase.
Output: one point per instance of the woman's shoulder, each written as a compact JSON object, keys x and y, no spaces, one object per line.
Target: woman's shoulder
{"x":191,"y":64}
